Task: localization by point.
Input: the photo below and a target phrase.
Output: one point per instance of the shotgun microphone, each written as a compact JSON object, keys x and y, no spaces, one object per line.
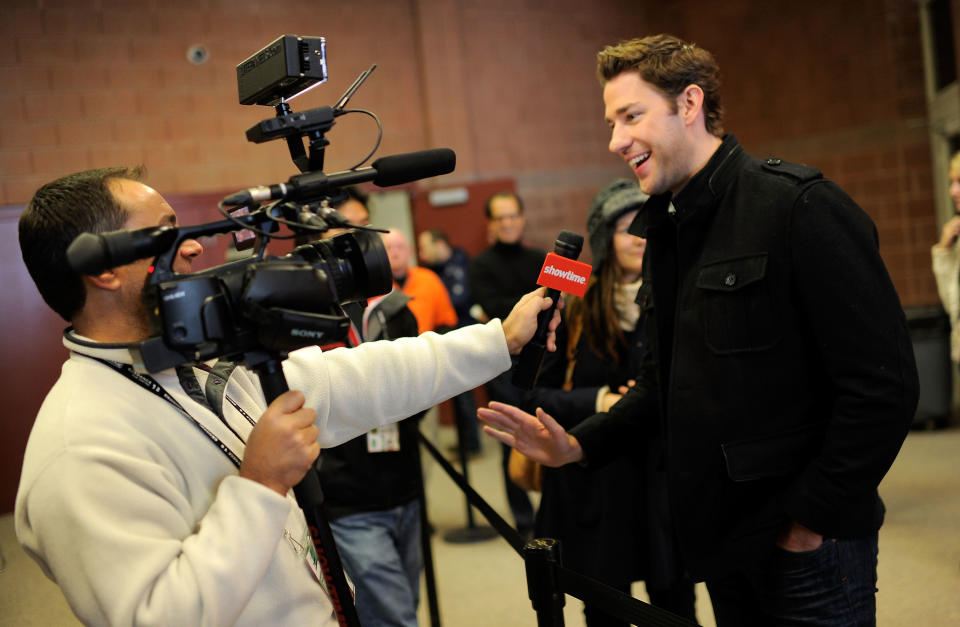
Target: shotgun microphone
{"x":384,"y":172}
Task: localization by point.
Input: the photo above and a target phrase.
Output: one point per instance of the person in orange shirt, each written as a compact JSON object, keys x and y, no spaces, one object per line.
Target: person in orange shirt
{"x":430,"y":302}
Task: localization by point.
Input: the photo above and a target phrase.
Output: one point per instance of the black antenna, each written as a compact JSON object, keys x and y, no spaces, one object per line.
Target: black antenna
{"x":338,"y":108}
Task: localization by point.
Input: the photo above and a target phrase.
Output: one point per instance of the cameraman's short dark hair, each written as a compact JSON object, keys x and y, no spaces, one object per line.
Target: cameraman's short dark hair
{"x":59,"y":212}
{"x":502,"y":194}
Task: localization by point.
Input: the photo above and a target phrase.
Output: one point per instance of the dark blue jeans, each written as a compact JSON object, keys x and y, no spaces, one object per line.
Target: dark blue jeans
{"x":834,"y":584}
{"x":381,"y":553}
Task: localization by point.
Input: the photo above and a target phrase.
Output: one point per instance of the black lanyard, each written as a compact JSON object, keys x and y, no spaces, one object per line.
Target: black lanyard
{"x":150,"y":384}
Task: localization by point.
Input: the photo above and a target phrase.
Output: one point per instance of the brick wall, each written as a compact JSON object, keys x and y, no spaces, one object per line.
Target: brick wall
{"x":90,"y":82}
{"x":838,"y":85}
{"x":509,"y":84}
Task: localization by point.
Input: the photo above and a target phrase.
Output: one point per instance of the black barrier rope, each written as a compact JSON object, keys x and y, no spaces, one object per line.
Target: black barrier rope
{"x":560,"y":580}
{"x":504,"y":528}
{"x":635,"y":611}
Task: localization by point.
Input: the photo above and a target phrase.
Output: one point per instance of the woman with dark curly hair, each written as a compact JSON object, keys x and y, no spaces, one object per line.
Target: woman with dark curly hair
{"x":600,"y":516}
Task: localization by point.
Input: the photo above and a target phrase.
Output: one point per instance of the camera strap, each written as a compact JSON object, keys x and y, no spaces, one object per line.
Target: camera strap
{"x":215,"y":389}
{"x":151,"y":385}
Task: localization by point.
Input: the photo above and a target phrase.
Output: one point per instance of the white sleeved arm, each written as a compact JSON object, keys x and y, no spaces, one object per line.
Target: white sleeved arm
{"x":354,"y":390}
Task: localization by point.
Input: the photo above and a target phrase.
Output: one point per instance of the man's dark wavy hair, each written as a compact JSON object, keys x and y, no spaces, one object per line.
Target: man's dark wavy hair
{"x":59,"y":212}
{"x":671,"y":65}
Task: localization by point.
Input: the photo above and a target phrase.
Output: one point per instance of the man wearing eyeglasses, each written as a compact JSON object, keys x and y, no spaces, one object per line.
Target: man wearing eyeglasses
{"x":499,"y":276}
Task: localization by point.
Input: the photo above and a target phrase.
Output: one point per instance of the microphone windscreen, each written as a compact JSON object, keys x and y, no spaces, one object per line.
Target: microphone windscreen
{"x":413,"y":166}
{"x":568,"y":244}
{"x":92,"y":254}
{"x":87,"y":254}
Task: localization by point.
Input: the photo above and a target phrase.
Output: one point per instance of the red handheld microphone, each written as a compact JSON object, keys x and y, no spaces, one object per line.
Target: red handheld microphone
{"x":561,"y":272}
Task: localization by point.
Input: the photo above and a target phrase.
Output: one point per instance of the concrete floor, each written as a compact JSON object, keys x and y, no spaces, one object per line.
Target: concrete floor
{"x":483,"y":584}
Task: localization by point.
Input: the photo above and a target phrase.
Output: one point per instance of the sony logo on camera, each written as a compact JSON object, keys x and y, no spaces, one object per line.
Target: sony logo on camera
{"x":306,"y":333}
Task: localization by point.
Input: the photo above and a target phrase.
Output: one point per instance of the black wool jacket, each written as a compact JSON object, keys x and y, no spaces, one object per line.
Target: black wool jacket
{"x":355,"y":480}
{"x":501,"y":274}
{"x":780,"y":374}
{"x":598,"y":515}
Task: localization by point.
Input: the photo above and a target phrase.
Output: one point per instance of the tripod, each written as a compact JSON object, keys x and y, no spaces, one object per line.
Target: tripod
{"x":310,"y":499}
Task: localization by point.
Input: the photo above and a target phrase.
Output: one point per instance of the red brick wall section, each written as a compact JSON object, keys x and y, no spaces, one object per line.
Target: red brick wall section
{"x":92,"y":82}
{"x":508,"y":84}
{"x":839,"y":86}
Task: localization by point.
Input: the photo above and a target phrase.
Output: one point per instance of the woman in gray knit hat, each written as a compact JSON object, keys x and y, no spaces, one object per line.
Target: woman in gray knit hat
{"x":598,"y":515}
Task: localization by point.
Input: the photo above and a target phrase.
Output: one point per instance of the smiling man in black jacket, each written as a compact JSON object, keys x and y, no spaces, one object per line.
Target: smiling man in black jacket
{"x":780,"y":378}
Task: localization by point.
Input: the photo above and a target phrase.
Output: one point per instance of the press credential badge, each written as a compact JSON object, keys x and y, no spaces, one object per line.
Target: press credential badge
{"x":383,"y":439}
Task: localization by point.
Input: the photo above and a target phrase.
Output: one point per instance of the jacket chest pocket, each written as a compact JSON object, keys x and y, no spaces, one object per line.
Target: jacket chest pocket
{"x":738,"y":312}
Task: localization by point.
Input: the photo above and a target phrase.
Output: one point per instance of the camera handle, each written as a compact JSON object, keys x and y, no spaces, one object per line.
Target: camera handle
{"x":310,"y":499}
{"x":312,"y":124}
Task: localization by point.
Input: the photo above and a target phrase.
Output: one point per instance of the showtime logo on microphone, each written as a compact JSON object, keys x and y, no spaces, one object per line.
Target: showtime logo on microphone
{"x":564,"y":274}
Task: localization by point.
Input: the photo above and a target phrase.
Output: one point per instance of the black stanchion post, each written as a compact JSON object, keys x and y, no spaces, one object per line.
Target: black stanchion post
{"x":472,"y":532}
{"x":541,"y":557}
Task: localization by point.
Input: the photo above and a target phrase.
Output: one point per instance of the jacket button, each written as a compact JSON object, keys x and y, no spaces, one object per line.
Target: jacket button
{"x":773,"y":161}
{"x":730,"y":280}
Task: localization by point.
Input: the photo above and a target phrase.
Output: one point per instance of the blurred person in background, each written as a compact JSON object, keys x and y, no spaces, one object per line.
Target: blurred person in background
{"x":372,"y":484}
{"x":429,"y":300}
{"x":499,"y":276}
{"x":607,"y":528}
{"x":946,"y":261}
{"x":451,"y":264}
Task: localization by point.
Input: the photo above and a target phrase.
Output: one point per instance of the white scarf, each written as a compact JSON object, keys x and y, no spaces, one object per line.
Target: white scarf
{"x":624,"y":301}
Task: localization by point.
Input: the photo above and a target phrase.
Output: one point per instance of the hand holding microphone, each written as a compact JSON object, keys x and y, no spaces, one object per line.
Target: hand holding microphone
{"x":561,"y":273}
{"x":522,"y":322}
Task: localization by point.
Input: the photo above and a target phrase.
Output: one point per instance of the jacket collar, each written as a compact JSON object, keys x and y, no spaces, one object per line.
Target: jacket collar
{"x":77,"y":343}
{"x":124,"y":353}
{"x":709,"y":184}
{"x":701,"y":192}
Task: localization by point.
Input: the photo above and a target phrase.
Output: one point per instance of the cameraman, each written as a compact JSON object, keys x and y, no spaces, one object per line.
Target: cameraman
{"x":128,"y":505}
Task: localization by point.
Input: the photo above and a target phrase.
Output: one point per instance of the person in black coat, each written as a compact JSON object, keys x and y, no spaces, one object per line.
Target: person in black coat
{"x":499,"y":276}
{"x":780,"y":379}
{"x":598,"y":515}
{"x":372,"y":484}
{"x":451,"y":263}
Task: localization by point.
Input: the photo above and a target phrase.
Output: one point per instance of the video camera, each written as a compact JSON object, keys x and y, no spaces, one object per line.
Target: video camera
{"x":257,"y":309}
